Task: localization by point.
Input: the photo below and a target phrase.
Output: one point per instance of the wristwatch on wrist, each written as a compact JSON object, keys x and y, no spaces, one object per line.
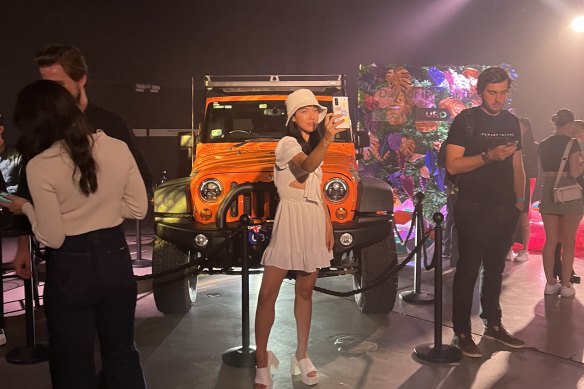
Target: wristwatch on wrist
{"x":485,"y":157}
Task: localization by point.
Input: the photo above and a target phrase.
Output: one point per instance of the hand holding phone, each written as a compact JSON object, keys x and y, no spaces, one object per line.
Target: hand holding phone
{"x":3,"y":197}
{"x":341,"y":107}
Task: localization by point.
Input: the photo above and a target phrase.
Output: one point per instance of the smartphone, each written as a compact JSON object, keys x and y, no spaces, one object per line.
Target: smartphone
{"x":341,"y":107}
{"x":3,"y":198}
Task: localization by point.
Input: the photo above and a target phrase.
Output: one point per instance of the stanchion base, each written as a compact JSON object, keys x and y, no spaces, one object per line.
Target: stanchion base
{"x":240,"y":357}
{"x":442,"y":354}
{"x":141,"y":262}
{"x":419,"y":298}
{"x":26,"y":355}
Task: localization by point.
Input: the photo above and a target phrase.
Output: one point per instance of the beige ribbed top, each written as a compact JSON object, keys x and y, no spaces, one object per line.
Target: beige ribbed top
{"x":61,"y":209}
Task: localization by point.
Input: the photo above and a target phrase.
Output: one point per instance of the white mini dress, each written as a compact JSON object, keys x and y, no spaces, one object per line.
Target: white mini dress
{"x":299,"y":235}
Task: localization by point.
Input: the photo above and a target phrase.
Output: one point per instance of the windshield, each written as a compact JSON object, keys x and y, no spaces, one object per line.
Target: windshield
{"x":239,"y":121}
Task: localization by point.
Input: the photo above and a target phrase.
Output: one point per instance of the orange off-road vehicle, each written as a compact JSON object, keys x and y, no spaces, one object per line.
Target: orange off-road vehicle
{"x":197,"y":217}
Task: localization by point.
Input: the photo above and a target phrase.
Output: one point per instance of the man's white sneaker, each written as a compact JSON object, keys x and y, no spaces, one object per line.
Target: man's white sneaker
{"x":568,"y":292}
{"x":510,"y":255}
{"x":521,"y":256}
{"x":552,"y":289}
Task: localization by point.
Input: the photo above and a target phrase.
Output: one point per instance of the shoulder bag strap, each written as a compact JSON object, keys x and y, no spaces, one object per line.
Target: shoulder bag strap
{"x":563,"y":163}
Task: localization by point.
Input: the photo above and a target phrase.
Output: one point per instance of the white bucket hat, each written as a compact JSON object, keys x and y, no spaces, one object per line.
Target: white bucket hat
{"x":302,"y":98}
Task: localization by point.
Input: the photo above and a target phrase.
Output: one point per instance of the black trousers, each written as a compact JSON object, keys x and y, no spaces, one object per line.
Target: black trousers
{"x":485,"y":234}
{"x":89,"y":291}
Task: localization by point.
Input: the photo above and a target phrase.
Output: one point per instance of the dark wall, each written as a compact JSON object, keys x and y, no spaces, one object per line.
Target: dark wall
{"x":170,"y":43}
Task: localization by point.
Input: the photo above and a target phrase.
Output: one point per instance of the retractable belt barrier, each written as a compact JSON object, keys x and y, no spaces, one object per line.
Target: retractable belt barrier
{"x":198,"y":265}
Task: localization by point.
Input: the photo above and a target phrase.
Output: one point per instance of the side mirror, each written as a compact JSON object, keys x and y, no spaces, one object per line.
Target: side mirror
{"x":362,"y":139}
{"x":187,"y":142}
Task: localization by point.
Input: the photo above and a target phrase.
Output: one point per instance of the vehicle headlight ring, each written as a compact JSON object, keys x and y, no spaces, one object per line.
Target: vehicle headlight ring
{"x":336,"y":190}
{"x":210,"y":190}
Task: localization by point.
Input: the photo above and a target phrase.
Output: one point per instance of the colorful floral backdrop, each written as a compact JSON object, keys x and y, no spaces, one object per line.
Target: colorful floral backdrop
{"x":407,"y":111}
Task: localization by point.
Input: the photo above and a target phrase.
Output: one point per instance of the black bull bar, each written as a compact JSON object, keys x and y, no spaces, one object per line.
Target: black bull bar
{"x":364,"y":230}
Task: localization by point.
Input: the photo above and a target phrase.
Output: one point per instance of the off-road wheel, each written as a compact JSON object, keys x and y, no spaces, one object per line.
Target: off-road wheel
{"x":174,"y":293}
{"x":373,"y":261}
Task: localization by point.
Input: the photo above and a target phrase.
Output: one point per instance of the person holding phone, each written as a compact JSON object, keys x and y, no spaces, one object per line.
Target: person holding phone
{"x":491,"y":184}
{"x":83,"y":184}
{"x":302,"y":237}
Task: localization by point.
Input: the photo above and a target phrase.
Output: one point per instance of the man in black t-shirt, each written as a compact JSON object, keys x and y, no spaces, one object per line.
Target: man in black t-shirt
{"x":491,"y":184}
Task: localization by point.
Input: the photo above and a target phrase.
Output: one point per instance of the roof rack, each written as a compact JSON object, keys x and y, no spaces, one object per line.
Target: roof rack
{"x":241,"y":83}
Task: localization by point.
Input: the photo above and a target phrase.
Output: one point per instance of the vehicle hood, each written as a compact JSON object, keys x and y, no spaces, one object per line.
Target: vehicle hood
{"x":255,"y":158}
{"x":242,"y":159}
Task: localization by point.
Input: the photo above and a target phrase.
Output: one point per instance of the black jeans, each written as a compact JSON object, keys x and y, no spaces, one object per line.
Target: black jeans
{"x":90,"y":290}
{"x":485,"y":234}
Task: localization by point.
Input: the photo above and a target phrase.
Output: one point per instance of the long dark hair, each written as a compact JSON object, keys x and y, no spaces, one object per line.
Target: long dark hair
{"x":45,"y":113}
{"x":307,"y":146}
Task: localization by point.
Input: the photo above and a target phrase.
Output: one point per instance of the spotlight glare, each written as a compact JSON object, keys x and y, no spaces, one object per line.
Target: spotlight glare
{"x":578,"y":24}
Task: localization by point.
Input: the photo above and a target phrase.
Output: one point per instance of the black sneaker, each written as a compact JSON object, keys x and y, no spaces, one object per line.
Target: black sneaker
{"x":466,"y":344}
{"x":499,"y":333}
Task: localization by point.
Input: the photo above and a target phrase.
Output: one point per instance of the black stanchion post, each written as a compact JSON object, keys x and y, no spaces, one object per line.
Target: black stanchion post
{"x":437,"y":352}
{"x":243,"y":356}
{"x":417,"y":296}
{"x":32,"y":352}
{"x":139,"y":262}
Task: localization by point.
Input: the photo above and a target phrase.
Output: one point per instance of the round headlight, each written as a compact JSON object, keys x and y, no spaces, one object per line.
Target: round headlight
{"x":201,"y":240}
{"x":210,"y":190}
{"x":335,"y":190}
{"x":346,"y":239}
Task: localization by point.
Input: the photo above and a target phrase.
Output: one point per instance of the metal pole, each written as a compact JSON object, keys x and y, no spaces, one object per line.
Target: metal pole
{"x":417,"y":296}
{"x":419,"y":222}
{"x":437,"y":352}
{"x":243,"y":356}
{"x":32,"y":352}
{"x":139,"y":262}
{"x":244,"y":293}
{"x":438,"y":281}
{"x":138,"y":241}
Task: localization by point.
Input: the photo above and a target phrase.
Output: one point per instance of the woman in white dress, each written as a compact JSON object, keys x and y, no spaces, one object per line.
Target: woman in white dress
{"x":302,"y":238}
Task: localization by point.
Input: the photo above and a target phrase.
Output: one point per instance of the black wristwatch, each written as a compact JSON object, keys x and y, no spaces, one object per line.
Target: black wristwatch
{"x":485,"y":157}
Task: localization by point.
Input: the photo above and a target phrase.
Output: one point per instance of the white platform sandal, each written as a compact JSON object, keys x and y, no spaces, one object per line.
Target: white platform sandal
{"x":304,"y":367}
{"x":264,"y":374}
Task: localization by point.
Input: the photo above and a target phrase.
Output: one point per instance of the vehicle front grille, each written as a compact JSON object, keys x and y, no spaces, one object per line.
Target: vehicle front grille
{"x":258,"y":205}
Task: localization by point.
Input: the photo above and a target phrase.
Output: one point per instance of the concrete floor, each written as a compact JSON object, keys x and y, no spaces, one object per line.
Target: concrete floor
{"x":351,"y":349}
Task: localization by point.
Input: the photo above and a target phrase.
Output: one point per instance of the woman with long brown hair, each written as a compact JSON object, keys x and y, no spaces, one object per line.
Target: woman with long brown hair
{"x":83,"y":185}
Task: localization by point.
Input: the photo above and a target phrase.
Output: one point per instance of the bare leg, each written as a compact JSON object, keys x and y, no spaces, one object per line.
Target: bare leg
{"x":568,"y":228}
{"x":551,"y":224}
{"x":303,"y":312}
{"x":265,"y":311}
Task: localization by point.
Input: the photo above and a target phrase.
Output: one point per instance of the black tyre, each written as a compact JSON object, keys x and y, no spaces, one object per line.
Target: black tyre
{"x":176,"y":292}
{"x":373,"y":261}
